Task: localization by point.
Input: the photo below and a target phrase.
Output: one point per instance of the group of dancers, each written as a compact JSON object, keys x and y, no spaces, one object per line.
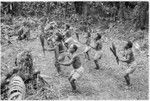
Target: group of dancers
{"x":66,"y":46}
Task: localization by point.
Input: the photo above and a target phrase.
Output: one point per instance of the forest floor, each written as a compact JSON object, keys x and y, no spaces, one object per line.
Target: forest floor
{"x":104,"y":84}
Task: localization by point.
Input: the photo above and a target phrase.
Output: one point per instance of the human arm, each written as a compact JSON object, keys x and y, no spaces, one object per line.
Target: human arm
{"x":67,"y":63}
{"x":128,"y":55}
{"x":51,"y":49}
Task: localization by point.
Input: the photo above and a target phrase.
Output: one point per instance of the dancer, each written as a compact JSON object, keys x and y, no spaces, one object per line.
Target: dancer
{"x":130,"y":60}
{"x":77,"y":66}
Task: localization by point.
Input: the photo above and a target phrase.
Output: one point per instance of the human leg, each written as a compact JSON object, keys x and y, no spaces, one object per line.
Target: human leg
{"x":75,"y":75}
{"x":130,"y":70}
{"x":97,"y":56}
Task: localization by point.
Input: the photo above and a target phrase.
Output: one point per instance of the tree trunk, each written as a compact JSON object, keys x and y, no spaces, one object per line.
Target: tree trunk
{"x":79,"y":7}
{"x":86,"y":12}
{"x":121,"y":11}
{"x":140,"y":15}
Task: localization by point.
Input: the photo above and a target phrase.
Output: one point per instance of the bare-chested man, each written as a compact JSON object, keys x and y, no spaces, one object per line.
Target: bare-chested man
{"x":77,"y":66}
{"x":130,"y":60}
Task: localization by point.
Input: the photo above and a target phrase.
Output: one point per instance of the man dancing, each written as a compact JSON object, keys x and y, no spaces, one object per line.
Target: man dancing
{"x":130,"y":60}
{"x":77,"y":66}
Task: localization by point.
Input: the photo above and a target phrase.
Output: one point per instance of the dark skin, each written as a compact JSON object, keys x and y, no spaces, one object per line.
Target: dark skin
{"x":97,"y":40}
{"x":88,"y":38}
{"x":88,"y":35}
{"x":50,"y":41}
{"x":58,"y":49}
{"x":128,"y":54}
{"x":67,"y":35}
{"x":96,"y":48}
{"x":77,"y":35}
{"x":66,"y":43}
{"x":55,"y":49}
{"x":69,"y":41}
{"x":88,"y":44}
{"x":87,"y":55}
{"x":76,"y":63}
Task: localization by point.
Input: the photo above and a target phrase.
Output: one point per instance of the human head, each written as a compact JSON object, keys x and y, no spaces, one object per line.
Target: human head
{"x":128,"y":45}
{"x":59,"y":37}
{"x":51,"y":27}
{"x":98,"y":37}
{"x":88,"y":34}
{"x":24,"y":59}
{"x":68,"y":34}
{"x":67,"y":26}
{"x":73,"y":48}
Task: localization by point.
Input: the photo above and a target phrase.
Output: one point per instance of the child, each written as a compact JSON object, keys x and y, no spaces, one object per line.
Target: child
{"x":77,"y":66}
{"x":130,"y":60}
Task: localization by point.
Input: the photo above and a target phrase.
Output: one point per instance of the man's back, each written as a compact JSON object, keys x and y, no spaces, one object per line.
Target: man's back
{"x":76,"y":62}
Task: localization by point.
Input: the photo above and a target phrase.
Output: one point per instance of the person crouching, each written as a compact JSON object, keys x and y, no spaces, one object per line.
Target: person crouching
{"x":77,"y":66}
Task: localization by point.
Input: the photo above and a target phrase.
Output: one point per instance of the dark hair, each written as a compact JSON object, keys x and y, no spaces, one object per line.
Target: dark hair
{"x":98,"y":37}
{"x":75,"y":47}
{"x":68,"y":34}
{"x":67,"y":26}
{"x":51,"y":27}
{"x":128,"y":45}
{"x":89,"y":34}
{"x":59,"y":37}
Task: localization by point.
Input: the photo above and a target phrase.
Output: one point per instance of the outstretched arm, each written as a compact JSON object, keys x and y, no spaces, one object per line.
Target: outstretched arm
{"x":126,"y":56}
{"x":51,"y":49}
{"x":92,"y":47}
{"x":67,"y":63}
{"x":124,"y":60}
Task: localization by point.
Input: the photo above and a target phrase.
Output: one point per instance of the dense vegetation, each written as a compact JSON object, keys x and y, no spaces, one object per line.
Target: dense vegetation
{"x":90,"y":12}
{"x":23,"y":22}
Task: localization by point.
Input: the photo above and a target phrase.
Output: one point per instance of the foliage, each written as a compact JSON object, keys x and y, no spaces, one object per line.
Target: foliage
{"x":88,"y":12}
{"x":114,"y":19}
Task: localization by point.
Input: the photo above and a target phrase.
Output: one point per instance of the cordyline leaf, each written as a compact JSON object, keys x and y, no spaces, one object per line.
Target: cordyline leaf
{"x":42,"y":43}
{"x":113,"y":50}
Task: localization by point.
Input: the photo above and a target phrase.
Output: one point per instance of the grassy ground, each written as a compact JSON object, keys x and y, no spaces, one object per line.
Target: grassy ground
{"x":104,"y":84}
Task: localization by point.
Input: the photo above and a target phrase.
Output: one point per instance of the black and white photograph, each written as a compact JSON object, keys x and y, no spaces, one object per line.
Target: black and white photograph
{"x":74,"y":50}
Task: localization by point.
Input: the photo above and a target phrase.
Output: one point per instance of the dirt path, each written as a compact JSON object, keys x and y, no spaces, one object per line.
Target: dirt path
{"x":106,"y":83}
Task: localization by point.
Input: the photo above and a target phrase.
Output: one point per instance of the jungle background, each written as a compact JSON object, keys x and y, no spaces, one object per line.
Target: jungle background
{"x":116,"y":21}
